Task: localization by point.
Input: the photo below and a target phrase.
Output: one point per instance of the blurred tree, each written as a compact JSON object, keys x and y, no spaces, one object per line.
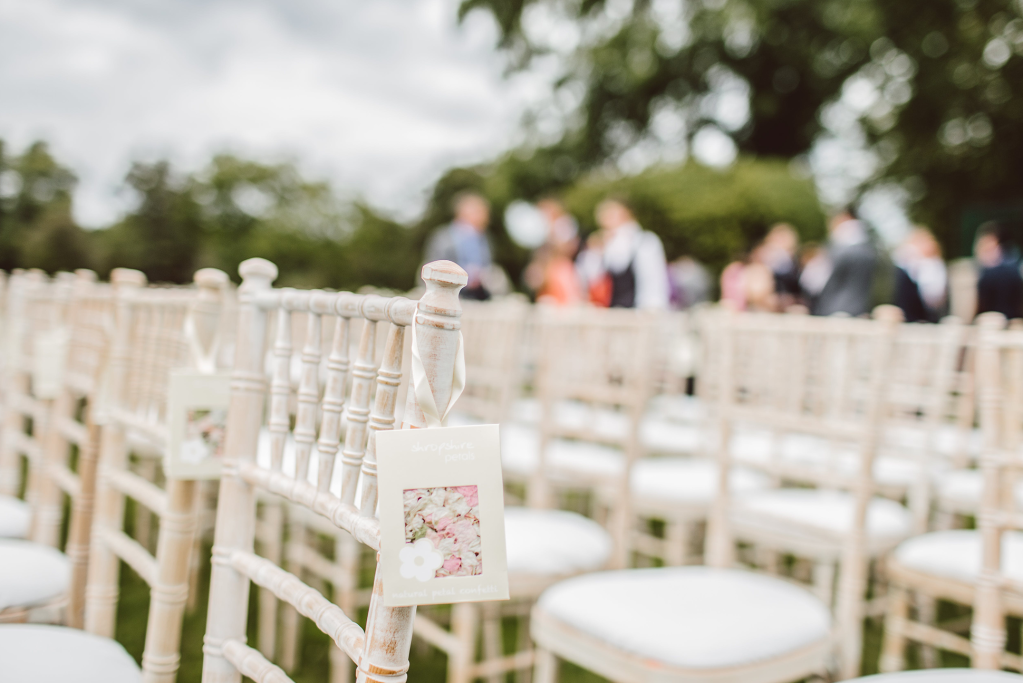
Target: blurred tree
{"x":936,"y":86}
{"x":947,"y":120}
{"x":162,"y":235}
{"x":235,"y":209}
{"x":670,"y":66}
{"x":56,"y":242}
{"x":36,"y":227}
{"x":241,"y":197}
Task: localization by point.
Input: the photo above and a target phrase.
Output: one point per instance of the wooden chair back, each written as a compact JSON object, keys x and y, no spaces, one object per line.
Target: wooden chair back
{"x":36,"y":305}
{"x":89,"y":323}
{"x":492,"y":334}
{"x":1000,"y":400}
{"x":798,"y":377}
{"x":920,"y":412}
{"x":599,"y":362}
{"x":380,"y":652}
{"x":156,"y":330}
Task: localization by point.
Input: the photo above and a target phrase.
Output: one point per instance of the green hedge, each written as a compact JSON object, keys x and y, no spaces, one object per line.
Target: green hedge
{"x":710,"y":215}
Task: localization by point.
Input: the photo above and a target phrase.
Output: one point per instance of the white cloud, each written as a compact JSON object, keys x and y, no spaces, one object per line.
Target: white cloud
{"x":377,"y":96}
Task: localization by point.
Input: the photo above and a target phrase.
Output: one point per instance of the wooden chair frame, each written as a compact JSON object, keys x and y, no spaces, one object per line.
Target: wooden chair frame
{"x":151,"y":338}
{"x":381,"y":650}
{"x":35,"y":305}
{"x":89,"y":321}
{"x":848,"y":407}
{"x":993,"y":595}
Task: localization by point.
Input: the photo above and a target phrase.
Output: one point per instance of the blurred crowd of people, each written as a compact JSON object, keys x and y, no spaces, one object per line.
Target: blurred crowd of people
{"x":621,"y":265}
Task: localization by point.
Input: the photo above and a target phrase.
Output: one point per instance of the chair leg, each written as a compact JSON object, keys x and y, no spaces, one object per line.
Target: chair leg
{"x":769,"y":561}
{"x":346,"y":585}
{"x":493,"y":644}
{"x":162,"y":653}
{"x":677,"y":536}
{"x":273,"y":526}
{"x":196,"y":562}
{"x":893,"y":648}
{"x":49,"y":511}
{"x":291,"y":626}
{"x":340,"y":666}
{"x":546,"y":667}
{"x":926,"y":613}
{"x":824,"y":581}
{"x":464,"y":618}
{"x":80,"y":528}
{"x":101,"y":591}
{"x":524,"y":644}
{"x":143,"y":516}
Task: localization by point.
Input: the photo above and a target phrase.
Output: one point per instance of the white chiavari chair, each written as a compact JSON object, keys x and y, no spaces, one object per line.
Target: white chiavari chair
{"x":678,"y":491}
{"x":72,"y":436}
{"x":294,"y":534}
{"x":981,"y":567}
{"x":35,"y":578}
{"x":919,"y":434}
{"x":149,"y":338}
{"x":35,"y":307}
{"x":792,"y":375}
{"x":670,"y":426}
{"x":493,"y":334}
{"x":544,"y":545}
{"x":381,"y":650}
{"x":957,"y":492}
{"x":594,"y":382}
{"x":817,"y":384}
{"x":156,"y":330}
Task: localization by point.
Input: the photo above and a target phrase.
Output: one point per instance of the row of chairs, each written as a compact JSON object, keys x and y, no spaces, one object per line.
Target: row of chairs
{"x":840,"y":410}
{"x":85,"y":372}
{"x":145,"y":333}
{"x":786,"y":456}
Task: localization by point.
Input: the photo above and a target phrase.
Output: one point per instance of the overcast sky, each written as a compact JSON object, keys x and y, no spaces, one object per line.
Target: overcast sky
{"x":378,"y":96}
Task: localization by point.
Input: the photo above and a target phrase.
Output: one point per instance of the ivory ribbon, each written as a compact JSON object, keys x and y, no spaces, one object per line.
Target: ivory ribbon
{"x":205,"y":361}
{"x":421,"y":385}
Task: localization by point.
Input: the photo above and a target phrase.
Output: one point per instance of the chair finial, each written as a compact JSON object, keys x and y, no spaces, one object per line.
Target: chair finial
{"x":259,"y":268}
{"x":127,"y":277}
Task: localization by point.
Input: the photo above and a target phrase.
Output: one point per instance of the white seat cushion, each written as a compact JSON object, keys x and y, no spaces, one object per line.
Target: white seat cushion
{"x":689,"y":481}
{"x":15,"y":517}
{"x":755,"y":448}
{"x":962,"y":489}
{"x":526,"y":410}
{"x":669,"y":437}
{"x":678,"y":407}
{"x":947,"y":439}
{"x":553,"y":542}
{"x":943,"y":676}
{"x":956,"y":554}
{"x":520,"y":447}
{"x":33,"y":653}
{"x":659,"y":433}
{"x":830,"y":512}
{"x":692,"y":617}
{"x":31,"y":574}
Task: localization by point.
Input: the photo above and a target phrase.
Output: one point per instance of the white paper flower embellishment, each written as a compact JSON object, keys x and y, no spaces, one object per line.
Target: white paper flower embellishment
{"x":420,"y":560}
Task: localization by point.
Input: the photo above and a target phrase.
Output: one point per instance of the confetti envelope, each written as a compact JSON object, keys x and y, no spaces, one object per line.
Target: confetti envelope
{"x":441,"y":516}
{"x":197,"y":416}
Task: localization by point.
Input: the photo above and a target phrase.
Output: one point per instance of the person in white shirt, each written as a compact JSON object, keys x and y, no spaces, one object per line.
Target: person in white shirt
{"x":632,"y":258}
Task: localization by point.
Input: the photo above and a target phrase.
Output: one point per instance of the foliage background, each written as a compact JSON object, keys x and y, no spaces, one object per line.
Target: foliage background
{"x":236,"y":209}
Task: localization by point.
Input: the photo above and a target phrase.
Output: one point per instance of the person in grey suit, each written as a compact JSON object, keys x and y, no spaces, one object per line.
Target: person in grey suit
{"x":853,"y":263}
{"x":464,"y":241}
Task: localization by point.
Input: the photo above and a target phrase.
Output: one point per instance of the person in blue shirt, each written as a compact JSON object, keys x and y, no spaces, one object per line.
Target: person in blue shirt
{"x":464,"y":241}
